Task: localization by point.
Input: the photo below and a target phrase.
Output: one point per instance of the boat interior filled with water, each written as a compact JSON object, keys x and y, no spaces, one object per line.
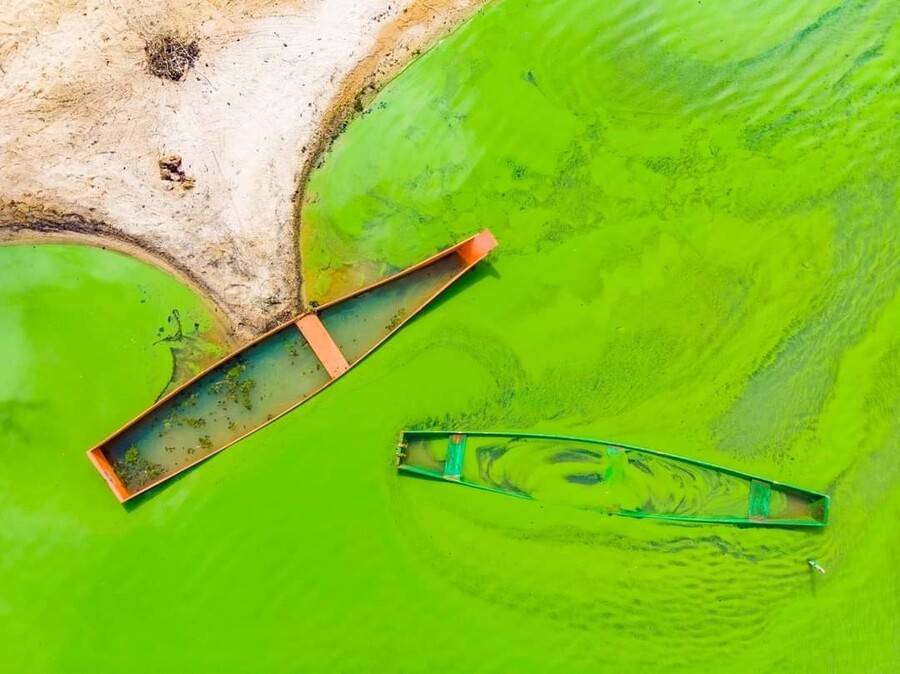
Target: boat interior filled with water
{"x":273,"y":374}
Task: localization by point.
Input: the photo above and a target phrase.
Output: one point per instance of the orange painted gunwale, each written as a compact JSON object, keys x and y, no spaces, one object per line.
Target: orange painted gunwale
{"x":471,"y":251}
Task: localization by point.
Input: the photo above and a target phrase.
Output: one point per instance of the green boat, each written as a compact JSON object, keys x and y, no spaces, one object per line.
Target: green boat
{"x":608,"y":477}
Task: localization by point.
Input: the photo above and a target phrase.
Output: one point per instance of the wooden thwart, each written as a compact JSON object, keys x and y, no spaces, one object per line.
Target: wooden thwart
{"x":328,"y":353}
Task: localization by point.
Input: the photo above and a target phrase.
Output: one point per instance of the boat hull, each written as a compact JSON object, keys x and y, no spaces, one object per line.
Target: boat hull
{"x":272,"y":375}
{"x":608,"y":477}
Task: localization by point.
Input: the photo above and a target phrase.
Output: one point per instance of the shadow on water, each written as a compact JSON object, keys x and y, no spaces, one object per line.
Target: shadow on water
{"x":159,"y":489}
{"x":483,"y":270}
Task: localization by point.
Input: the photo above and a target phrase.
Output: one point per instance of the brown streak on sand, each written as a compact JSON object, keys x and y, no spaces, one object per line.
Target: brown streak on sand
{"x":23,"y":224}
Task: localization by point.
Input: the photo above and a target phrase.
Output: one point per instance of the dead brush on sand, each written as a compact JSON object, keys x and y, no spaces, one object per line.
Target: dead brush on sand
{"x":170,"y":55}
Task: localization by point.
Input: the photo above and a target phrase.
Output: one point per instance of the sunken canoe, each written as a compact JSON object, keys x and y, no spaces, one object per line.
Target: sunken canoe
{"x":608,"y":477}
{"x":272,"y":375}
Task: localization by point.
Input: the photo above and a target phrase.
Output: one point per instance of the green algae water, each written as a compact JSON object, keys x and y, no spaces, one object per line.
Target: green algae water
{"x":90,"y":338}
{"x":696,"y":205}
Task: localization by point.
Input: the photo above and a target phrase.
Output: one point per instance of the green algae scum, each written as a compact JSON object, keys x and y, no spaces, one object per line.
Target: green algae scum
{"x":698,"y":208}
{"x":614,"y":479}
{"x":273,"y":375}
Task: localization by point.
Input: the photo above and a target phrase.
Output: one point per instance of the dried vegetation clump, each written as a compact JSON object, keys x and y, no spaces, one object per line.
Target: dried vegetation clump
{"x":170,"y":55}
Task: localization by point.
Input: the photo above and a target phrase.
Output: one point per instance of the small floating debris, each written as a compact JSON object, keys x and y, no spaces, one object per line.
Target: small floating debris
{"x":609,"y":478}
{"x":273,"y":374}
{"x":815,"y":566}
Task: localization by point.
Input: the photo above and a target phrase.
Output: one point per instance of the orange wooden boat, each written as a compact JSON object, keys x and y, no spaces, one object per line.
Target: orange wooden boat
{"x":272,"y":375}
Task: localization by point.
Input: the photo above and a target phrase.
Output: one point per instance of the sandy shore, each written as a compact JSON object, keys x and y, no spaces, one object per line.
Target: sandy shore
{"x":84,"y":124}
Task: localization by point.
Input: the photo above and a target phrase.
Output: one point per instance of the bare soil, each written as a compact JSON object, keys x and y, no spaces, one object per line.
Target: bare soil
{"x":184,"y":131}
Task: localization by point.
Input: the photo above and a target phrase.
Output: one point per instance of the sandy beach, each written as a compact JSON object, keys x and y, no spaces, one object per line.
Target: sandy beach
{"x":197,"y":169}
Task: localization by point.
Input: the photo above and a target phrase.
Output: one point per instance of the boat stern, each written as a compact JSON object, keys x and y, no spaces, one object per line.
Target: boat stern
{"x":98,"y":458}
{"x":820,"y":509}
{"x":476,"y":248}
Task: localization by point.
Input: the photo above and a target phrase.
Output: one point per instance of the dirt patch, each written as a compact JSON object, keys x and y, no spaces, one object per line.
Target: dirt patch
{"x":170,"y":171}
{"x":170,"y":55}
